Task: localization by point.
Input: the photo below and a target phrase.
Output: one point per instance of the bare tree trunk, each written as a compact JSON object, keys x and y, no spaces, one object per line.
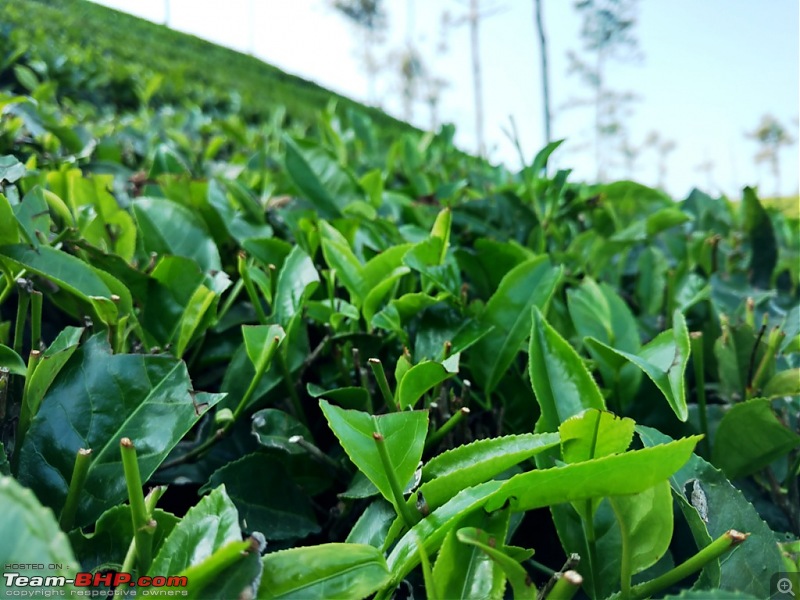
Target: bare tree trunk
{"x":545,"y":72}
{"x":474,"y":18}
{"x":166,"y":13}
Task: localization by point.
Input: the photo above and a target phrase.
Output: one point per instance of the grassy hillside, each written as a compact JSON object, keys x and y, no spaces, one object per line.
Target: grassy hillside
{"x":177,"y":66}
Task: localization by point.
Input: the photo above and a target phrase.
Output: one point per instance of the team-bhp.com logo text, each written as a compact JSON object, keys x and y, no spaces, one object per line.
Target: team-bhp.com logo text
{"x":156,"y":585}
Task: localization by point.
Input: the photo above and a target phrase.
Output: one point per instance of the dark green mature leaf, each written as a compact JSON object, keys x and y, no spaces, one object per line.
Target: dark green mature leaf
{"x":237,"y":581}
{"x":207,"y":527}
{"x":318,"y":176}
{"x":107,"y":544}
{"x":530,"y":284}
{"x":403,"y":434}
{"x":560,"y":380}
{"x":749,"y":567}
{"x":266,"y":497}
{"x":168,"y":228}
{"x":750,"y":437}
{"x":65,"y":270}
{"x":95,"y":400}
{"x":274,"y":429}
{"x":597,"y":311}
{"x":176,"y":292}
{"x":323,"y":571}
{"x":463,"y":570}
{"x":31,"y":537}
{"x":451,"y":471}
{"x":50,"y":363}
{"x":663,"y":360}
{"x":711,"y":595}
{"x":763,"y":244}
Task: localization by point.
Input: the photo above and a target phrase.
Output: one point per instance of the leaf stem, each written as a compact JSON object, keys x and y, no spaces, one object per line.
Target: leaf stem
{"x":383,"y":383}
{"x":713,"y":551}
{"x":83,"y":459}
{"x":297,"y":405}
{"x":698,"y":362}
{"x":26,"y":410}
{"x":143,"y":527}
{"x":261,"y":368}
{"x":200,"y":575}
{"x":400,"y":506}
{"x":36,"y":318}
{"x":448,"y":425}
{"x":566,"y":586}
{"x":23,"y":299}
{"x":589,"y":534}
{"x":251,"y":290}
{"x":362,"y":378}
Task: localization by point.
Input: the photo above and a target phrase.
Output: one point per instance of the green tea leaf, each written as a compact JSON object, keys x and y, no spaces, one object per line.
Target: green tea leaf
{"x":297,"y":280}
{"x":12,"y":361}
{"x":520,"y":580}
{"x":449,"y":472}
{"x":108,"y":542}
{"x":750,"y":437}
{"x":749,"y":567}
{"x":463,"y":570}
{"x":95,"y":400}
{"x":316,"y":175}
{"x":529,"y":284}
{"x":323,"y":571}
{"x":663,"y":360}
{"x":403,"y":433}
{"x":763,"y":244}
{"x":266,"y":497}
{"x":166,"y":227}
{"x":419,"y":379}
{"x":594,"y":434}
{"x":261,"y":342}
{"x":208,"y":526}
{"x":645,"y":520}
{"x":24,"y":519}
{"x":615,"y":475}
{"x":274,"y":428}
{"x":560,"y":380}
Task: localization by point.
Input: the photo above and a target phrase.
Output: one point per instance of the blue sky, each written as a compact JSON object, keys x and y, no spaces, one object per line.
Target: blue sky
{"x":710,"y":70}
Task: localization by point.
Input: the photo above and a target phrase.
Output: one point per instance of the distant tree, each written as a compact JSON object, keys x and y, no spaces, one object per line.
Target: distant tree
{"x":607,"y":34}
{"x":537,"y":11}
{"x":412,"y":74}
{"x":473,"y":17}
{"x":369,"y":16}
{"x":771,"y":136}
{"x":663,"y":147}
{"x":707,"y":167}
